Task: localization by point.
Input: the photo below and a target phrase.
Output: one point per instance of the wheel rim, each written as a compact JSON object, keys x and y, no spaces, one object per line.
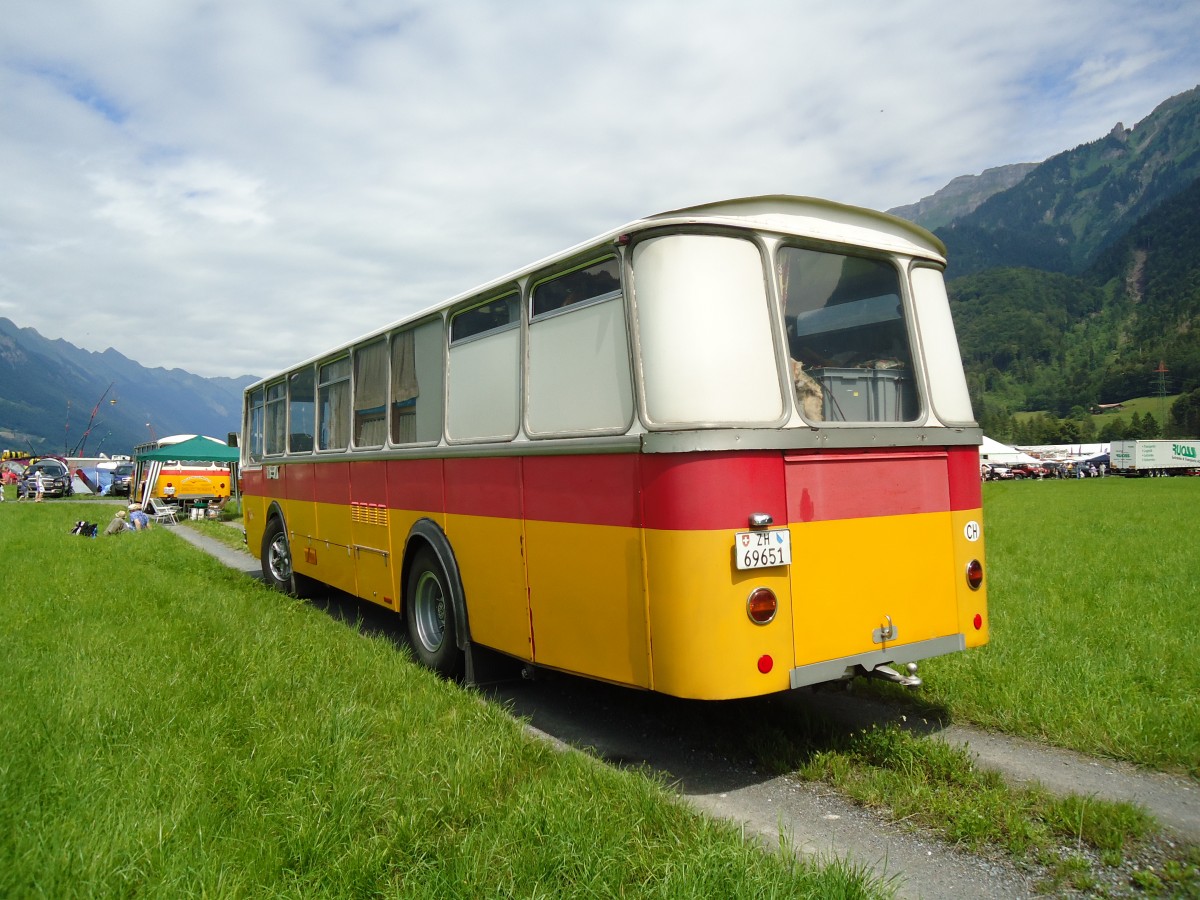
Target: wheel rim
{"x":429,"y":611}
{"x":279,"y":559}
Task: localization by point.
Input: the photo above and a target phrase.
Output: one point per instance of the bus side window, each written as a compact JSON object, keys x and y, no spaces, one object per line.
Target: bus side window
{"x":333,"y":402}
{"x":370,"y":394}
{"x":416,"y":364}
{"x":254,"y":424}
{"x":593,"y":281}
{"x":405,"y":388}
{"x":484,"y":318}
{"x":578,"y":378}
{"x":276,"y":419}
{"x":483,"y":371}
{"x":302,"y":411}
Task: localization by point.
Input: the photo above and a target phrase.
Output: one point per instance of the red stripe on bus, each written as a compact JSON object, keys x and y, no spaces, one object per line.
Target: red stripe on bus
{"x":299,"y":481}
{"x":484,"y":487}
{"x":253,"y":482}
{"x":369,"y":483}
{"x":416,"y":484}
{"x":965,"y":480}
{"x":856,"y":485}
{"x":669,"y":491}
{"x":711,"y":490}
{"x":594,"y":490}
{"x":332,"y":482}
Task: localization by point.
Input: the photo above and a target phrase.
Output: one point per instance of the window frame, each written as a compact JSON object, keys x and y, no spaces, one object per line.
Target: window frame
{"x":324,"y":385}
{"x":360,"y":351}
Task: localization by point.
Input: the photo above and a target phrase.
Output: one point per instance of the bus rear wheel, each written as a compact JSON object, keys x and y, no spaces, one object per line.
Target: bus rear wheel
{"x":430,"y":612}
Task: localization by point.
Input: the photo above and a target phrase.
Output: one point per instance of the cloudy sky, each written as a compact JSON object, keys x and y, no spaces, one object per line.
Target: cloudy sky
{"x":230,"y":186}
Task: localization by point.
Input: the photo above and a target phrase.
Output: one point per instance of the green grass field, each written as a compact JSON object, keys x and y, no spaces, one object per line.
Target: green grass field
{"x":172,"y":728}
{"x":1095,"y":620}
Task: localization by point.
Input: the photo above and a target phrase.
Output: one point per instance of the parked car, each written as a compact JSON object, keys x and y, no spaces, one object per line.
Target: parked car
{"x":122,"y":479}
{"x":1030,"y":470}
{"x":56,"y":479}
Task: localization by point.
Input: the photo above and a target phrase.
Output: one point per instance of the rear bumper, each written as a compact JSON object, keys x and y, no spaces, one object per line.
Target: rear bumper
{"x":835,"y":669}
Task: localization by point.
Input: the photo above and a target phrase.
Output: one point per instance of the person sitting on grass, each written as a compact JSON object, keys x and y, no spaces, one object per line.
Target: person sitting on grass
{"x":118,"y":524}
{"x":138,"y":520}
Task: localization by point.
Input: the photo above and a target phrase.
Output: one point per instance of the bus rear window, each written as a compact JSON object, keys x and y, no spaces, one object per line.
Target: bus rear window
{"x":847,"y":337}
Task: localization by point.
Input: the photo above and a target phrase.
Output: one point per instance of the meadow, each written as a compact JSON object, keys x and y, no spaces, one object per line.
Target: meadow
{"x":172,"y":728}
{"x":175,"y":728}
{"x":1095,"y":620}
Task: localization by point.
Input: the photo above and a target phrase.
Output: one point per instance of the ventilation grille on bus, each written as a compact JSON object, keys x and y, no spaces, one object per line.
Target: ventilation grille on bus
{"x":369,"y":513}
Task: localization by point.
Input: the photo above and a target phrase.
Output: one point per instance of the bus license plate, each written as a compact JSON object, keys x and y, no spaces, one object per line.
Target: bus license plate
{"x":762,"y":549}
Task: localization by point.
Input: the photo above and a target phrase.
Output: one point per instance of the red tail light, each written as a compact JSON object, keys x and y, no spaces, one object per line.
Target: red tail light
{"x":974,"y":574}
{"x":762,"y":606}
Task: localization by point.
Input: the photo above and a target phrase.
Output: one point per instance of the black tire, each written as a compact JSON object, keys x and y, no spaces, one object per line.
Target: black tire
{"x":429,"y":608}
{"x":276,"y":558}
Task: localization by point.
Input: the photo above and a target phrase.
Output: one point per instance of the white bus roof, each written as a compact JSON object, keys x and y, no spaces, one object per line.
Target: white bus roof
{"x":810,"y":217}
{"x":816,"y":218}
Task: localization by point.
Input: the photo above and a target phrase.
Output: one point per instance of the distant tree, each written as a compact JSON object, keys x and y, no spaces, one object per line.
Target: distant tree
{"x":1150,"y":427}
{"x":997,"y":422}
{"x":1114,"y":430}
{"x":1185,"y":415}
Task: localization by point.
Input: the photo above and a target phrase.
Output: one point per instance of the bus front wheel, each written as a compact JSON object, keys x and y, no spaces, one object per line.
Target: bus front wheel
{"x":430,"y":613}
{"x":277,"y":559}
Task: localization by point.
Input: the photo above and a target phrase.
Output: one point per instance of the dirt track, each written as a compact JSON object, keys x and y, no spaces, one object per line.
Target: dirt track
{"x":628,"y":728}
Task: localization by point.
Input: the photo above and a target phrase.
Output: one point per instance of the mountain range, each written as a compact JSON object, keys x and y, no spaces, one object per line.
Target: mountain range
{"x":58,"y":399}
{"x":1074,"y":282}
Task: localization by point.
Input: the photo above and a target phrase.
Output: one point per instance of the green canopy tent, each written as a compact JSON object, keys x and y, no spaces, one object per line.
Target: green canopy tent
{"x":150,"y":457}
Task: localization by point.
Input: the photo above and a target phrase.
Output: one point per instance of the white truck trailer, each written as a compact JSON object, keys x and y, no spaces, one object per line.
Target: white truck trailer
{"x":1177,"y":457}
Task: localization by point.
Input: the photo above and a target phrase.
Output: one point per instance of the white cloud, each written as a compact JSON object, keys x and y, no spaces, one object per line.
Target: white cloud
{"x":229,"y":188}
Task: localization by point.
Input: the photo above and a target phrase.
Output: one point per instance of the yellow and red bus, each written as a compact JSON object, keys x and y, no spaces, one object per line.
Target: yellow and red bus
{"x":719,"y":452}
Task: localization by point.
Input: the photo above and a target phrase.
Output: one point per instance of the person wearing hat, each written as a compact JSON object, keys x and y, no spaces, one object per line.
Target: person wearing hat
{"x":118,"y":524}
{"x":138,"y":520}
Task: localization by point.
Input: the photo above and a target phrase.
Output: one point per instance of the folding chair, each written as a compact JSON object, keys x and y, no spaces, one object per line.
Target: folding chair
{"x":163,"y":513}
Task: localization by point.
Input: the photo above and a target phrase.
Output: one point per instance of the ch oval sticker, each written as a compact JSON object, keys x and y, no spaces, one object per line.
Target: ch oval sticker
{"x":971,"y":531}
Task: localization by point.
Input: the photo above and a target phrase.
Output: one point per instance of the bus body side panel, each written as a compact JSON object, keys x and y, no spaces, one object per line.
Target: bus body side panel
{"x":370,"y":523}
{"x":296,"y":488}
{"x":484,"y":526}
{"x":705,"y":645}
{"x":254,"y":502}
{"x":584,"y":559}
{"x":414,"y":491}
{"x":328,"y":559}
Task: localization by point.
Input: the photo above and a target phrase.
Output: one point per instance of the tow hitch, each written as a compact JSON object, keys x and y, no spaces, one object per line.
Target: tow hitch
{"x":887,"y":673}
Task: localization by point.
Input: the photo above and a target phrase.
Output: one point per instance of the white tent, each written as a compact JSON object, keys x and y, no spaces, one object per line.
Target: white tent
{"x":998,"y":454}
{"x":1075,"y":452}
